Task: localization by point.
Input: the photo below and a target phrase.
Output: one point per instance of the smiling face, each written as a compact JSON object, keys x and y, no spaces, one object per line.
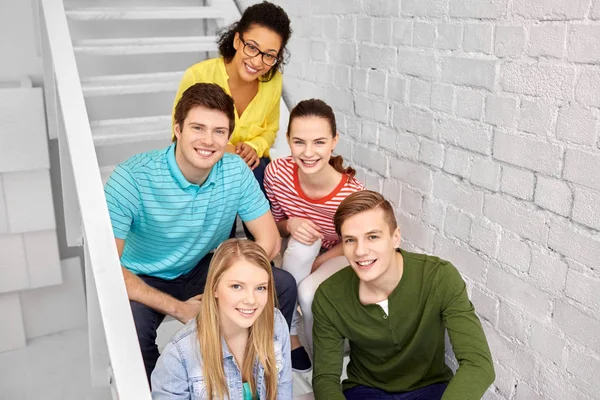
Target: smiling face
{"x":242,"y":293}
{"x":311,"y":143}
{"x":370,"y":245}
{"x":201,"y":142}
{"x":256,"y":38}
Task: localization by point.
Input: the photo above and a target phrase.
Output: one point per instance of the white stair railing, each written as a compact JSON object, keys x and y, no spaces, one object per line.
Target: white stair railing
{"x":114,"y":350}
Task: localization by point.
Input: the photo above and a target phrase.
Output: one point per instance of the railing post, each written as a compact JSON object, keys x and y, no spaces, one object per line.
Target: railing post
{"x":99,"y":358}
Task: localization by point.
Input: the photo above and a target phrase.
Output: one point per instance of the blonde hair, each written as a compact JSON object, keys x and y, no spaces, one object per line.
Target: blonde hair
{"x":260,"y":338}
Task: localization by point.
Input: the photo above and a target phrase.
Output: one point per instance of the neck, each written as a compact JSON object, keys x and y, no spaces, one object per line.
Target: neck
{"x":321,"y":180}
{"x":190,"y":173}
{"x":234,"y":77}
{"x":383,"y":286}
{"x":232,"y":332}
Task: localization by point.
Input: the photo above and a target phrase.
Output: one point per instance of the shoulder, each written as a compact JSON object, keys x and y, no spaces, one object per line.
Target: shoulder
{"x":232,"y":162}
{"x":355,"y":184}
{"x":149,"y":163}
{"x":436,"y":271}
{"x":280,"y":164}
{"x":204,"y":66}
{"x":338,"y":283}
{"x":280,"y":327}
{"x":185,"y":340}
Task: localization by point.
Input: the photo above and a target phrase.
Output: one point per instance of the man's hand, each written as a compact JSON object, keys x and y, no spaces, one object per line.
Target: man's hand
{"x":189,"y":309}
{"x":248,"y":154}
{"x":304,"y":230}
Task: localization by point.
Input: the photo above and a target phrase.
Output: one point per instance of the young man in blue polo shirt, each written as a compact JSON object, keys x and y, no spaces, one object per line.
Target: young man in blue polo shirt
{"x":170,"y":208}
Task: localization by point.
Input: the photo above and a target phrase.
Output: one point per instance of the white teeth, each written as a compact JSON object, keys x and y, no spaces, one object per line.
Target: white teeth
{"x":245,"y":311}
{"x":205,"y":153}
{"x":312,"y":162}
{"x":365,"y":263}
{"x":249,"y":68}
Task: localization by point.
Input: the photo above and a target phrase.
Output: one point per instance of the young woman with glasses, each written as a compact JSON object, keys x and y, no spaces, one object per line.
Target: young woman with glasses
{"x":252,"y":52}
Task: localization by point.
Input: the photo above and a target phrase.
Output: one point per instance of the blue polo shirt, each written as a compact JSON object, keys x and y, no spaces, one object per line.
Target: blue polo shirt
{"x":168,"y":223}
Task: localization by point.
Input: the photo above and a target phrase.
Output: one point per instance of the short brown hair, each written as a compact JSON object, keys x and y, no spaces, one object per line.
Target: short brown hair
{"x":359,"y":202}
{"x":207,"y":95}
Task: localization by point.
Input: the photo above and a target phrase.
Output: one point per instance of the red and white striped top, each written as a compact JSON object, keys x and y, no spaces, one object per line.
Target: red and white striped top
{"x":288,"y":200}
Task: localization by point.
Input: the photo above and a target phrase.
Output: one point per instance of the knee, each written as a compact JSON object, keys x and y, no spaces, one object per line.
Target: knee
{"x":306,"y":293}
{"x":300,"y":252}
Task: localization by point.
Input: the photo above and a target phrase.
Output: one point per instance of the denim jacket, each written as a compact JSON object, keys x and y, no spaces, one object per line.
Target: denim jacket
{"x":178,"y":372}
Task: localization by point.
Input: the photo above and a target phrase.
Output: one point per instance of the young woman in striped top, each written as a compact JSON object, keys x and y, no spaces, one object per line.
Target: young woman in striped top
{"x":305,"y":190}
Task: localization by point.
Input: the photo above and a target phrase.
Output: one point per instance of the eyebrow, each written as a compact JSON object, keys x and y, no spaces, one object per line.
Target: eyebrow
{"x":366,"y":234}
{"x":244,"y":283}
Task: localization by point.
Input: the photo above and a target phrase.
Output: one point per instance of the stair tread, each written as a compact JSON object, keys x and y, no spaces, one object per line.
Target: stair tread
{"x":146,"y":45}
{"x":132,"y":83}
{"x":126,"y":130}
{"x":144,"y":13}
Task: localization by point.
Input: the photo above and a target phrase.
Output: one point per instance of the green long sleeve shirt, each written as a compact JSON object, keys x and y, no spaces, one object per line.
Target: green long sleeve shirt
{"x":402,"y":351}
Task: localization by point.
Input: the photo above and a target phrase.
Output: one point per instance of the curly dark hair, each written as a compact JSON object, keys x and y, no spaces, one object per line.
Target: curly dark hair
{"x":267,"y":15}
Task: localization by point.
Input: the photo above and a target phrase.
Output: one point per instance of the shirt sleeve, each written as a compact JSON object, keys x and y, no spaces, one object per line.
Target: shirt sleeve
{"x":476,"y":369}
{"x":265,"y":140}
{"x":123,"y":201}
{"x":328,"y":345}
{"x":169,"y":378}
{"x":270,"y":183}
{"x":253,"y":202}
{"x":285,"y":389}
{"x":187,"y":81}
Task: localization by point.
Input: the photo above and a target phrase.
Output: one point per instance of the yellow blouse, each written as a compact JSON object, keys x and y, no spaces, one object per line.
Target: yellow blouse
{"x":259,"y":123}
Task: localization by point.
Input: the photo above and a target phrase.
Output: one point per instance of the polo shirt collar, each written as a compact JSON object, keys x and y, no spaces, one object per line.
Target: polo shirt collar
{"x":178,"y":175}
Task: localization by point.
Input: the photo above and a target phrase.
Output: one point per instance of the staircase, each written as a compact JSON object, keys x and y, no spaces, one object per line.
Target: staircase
{"x":131,"y":56}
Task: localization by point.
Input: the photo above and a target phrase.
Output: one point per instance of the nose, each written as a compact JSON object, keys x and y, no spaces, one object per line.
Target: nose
{"x":360,"y":249}
{"x":250,"y":299}
{"x":308,"y":151}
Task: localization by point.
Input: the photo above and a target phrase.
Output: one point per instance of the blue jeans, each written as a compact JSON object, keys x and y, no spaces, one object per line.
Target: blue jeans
{"x":147,"y":320}
{"x":431,"y":392}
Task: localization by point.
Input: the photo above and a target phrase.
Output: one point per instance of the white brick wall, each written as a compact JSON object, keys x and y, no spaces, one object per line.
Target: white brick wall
{"x":487,"y":111}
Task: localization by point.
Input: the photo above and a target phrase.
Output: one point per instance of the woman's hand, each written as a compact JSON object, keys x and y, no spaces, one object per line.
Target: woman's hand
{"x":304,"y":230}
{"x":248,"y":154}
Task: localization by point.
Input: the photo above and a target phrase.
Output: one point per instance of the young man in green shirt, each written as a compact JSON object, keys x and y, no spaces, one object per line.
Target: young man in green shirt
{"x":394,"y":307}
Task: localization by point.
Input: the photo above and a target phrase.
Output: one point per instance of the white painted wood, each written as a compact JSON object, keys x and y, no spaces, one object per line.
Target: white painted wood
{"x":280,"y":147}
{"x":29,"y":201}
{"x":144,"y":13}
{"x":3,"y":211}
{"x":43,"y":260}
{"x":23,"y":137}
{"x":12,"y":335}
{"x":71,"y":211}
{"x":131,"y":130}
{"x":131,"y":84}
{"x":126,"y":361}
{"x":154,"y":45}
{"x":13,"y":264}
{"x":99,"y":355}
{"x":105,"y":173}
{"x":50,"y":98}
{"x":58,"y":308}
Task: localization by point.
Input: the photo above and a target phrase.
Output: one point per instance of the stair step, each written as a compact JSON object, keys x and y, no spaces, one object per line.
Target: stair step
{"x":131,"y":84}
{"x":144,"y":13}
{"x":131,"y":130}
{"x":151,"y":45}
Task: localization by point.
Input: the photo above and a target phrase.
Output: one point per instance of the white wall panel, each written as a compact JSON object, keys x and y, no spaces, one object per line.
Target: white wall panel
{"x":23,"y":137}
{"x":29,"y":201}
{"x":43,"y":261}
{"x":56,"y":308}
{"x":13,"y":264}
{"x":12,"y":334}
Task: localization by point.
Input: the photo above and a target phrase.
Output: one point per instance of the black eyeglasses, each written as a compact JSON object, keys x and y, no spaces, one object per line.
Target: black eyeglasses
{"x":253,"y":51}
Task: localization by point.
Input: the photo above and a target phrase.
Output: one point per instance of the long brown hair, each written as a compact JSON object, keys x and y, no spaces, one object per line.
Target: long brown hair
{"x":260,"y":338}
{"x":318,"y":108}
